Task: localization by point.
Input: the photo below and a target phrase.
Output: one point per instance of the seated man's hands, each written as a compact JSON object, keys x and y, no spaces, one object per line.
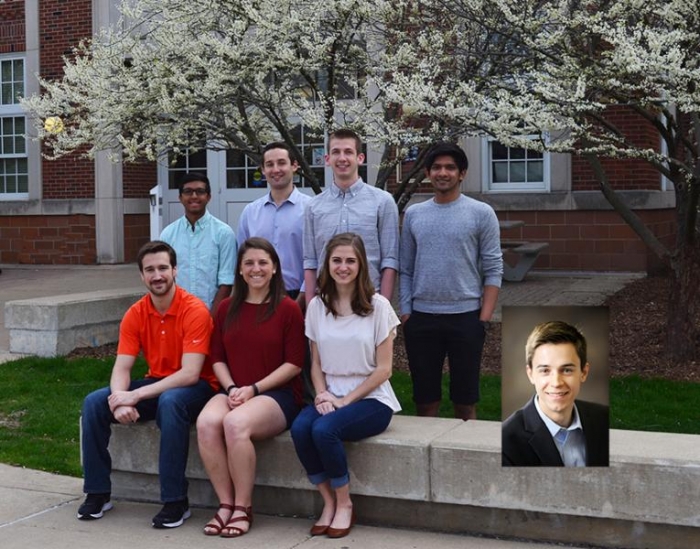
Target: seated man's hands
{"x":126,"y":414}
{"x":122,"y":398}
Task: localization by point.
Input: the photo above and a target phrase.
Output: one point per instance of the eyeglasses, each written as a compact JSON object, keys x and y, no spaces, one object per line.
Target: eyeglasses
{"x":198,"y":192}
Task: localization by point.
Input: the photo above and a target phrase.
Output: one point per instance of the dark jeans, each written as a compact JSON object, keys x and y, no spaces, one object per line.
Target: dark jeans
{"x":318,"y":439}
{"x":174,"y":411}
{"x":429,"y":339}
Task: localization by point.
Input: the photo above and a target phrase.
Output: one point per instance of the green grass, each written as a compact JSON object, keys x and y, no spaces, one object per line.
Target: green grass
{"x":489,"y":406}
{"x":654,"y":405}
{"x":40,"y":400}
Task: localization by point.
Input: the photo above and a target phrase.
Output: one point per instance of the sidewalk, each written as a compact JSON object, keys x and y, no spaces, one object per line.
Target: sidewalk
{"x":30,"y":281}
{"x":39,"y":510}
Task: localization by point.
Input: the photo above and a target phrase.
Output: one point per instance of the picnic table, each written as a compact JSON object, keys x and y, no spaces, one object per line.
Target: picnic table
{"x":510,"y":224}
{"x":526,"y":253}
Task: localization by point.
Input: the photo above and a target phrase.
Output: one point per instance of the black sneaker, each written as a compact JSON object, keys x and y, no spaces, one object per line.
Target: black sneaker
{"x":172,"y":515}
{"x":94,"y":506}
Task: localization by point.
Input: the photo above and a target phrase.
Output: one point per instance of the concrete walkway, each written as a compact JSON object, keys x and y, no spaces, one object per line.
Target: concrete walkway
{"x":39,"y":510}
{"x":27,"y":282}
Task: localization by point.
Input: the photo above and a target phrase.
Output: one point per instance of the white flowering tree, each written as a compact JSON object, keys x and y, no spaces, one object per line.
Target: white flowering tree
{"x":562,"y":70}
{"x":177,"y":75}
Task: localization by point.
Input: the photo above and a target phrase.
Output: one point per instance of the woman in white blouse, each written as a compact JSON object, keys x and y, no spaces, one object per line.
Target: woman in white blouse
{"x":351,"y":329}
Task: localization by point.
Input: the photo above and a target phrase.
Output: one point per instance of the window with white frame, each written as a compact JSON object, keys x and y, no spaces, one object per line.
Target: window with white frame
{"x":14,"y":176}
{"x":182,"y":164}
{"x":514,"y":169}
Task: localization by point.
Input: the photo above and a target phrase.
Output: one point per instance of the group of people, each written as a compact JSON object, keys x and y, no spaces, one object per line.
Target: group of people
{"x":313,"y":277}
{"x":237,"y":375}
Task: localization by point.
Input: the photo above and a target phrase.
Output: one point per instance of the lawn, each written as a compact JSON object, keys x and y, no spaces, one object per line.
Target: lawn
{"x":40,"y":400}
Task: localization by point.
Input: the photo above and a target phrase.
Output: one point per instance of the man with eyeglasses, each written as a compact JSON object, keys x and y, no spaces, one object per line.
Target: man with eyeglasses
{"x":205,"y":246}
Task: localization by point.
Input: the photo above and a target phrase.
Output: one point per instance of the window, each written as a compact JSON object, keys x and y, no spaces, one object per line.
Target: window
{"x":11,"y":81}
{"x":313,"y":149}
{"x":188,"y":162}
{"x":14,"y":176}
{"x":242,"y":172}
{"x":514,"y":169}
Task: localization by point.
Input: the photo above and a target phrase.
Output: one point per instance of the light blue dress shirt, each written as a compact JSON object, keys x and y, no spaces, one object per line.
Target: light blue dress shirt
{"x":206,"y":257}
{"x":283,"y":226}
{"x":363,"y":209}
{"x":569,"y":441}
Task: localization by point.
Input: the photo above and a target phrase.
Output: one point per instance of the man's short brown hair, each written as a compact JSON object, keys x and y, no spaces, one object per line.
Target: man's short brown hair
{"x":154,"y":247}
{"x":346,"y":133}
{"x":555,"y":331}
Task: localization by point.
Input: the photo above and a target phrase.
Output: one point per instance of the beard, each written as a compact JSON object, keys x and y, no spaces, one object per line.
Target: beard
{"x":161,"y":288}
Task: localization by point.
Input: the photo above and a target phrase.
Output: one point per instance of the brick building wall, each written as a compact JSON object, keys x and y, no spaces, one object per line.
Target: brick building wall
{"x":139,"y":178}
{"x":623,"y":174}
{"x":47,"y":239}
{"x":63,"y":239}
{"x":12,"y":29}
{"x":136,"y":233}
{"x":55,"y":239}
{"x":591,"y":240}
{"x":62,"y":25}
{"x":601,"y":240}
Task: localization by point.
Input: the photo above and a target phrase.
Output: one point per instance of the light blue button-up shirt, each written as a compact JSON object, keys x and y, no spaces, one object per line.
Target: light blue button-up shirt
{"x":206,"y":257}
{"x":283,"y":226}
{"x":363,"y":209}
{"x":571,"y":443}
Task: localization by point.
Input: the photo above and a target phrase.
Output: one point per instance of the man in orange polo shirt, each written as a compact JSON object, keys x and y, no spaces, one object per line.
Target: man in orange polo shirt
{"x":172,"y":328}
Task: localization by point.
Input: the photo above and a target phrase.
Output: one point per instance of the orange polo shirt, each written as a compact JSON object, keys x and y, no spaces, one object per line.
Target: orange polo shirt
{"x":186,"y":327}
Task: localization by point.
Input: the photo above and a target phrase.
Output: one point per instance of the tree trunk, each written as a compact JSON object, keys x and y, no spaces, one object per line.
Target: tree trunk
{"x":682,"y":333}
{"x":683,"y":327}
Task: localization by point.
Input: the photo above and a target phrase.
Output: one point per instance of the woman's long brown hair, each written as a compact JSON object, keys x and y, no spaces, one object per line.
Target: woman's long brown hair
{"x":361,"y":301}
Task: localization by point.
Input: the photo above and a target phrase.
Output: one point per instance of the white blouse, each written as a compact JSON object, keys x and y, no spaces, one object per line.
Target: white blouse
{"x":347,"y":346}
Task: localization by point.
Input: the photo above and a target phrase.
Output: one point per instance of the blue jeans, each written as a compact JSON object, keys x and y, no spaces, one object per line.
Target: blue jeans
{"x":318,"y":439}
{"x":174,"y":411}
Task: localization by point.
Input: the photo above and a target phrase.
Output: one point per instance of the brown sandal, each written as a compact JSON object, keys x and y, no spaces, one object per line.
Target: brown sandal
{"x":235,"y":531}
{"x":213,"y":529}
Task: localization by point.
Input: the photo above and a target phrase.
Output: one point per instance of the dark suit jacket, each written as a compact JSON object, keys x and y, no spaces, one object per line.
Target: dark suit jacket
{"x":526,"y":441}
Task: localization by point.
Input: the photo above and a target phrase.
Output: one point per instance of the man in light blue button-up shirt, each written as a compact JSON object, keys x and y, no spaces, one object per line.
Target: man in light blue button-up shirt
{"x":351,"y":205}
{"x":279,"y":215}
{"x":205,"y":245}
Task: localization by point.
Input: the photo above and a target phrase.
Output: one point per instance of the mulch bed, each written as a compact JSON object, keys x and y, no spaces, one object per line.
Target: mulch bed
{"x":638,"y":316}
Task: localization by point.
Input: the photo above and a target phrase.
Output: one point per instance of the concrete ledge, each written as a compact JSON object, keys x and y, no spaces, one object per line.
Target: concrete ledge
{"x":446,"y":475}
{"x":395,"y":464}
{"x":652,"y":478}
{"x":50,"y":326}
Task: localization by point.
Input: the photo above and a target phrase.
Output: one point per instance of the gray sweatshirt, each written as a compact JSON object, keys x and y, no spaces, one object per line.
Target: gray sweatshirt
{"x":448,"y":253}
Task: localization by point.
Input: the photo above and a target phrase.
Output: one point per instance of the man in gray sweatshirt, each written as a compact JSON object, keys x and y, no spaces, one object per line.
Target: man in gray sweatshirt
{"x":449,"y":277}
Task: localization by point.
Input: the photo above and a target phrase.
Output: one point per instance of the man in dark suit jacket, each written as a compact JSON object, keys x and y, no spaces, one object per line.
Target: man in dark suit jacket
{"x":528,"y":442}
{"x":553,"y":428}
